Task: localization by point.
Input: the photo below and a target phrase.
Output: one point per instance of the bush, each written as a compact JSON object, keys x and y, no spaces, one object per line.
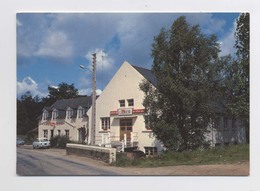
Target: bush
{"x":59,"y":141}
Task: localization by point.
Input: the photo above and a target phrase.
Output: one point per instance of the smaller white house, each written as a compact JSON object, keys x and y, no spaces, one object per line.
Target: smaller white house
{"x":66,"y":117}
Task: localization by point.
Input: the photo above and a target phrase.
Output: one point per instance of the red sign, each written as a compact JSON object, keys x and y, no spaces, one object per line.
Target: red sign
{"x":127,"y":111}
{"x":113,"y":113}
{"x":138,"y":111}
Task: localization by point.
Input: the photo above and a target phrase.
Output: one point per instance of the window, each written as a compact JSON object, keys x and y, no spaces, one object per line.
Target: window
{"x":58,"y":132}
{"x":69,"y":113}
{"x":45,"y":115}
{"x":130,"y":102}
{"x":67,"y":133}
{"x":150,"y":150}
{"x":45,"y":133}
{"x":122,"y":103}
{"x":55,"y":114}
{"x":81,"y":112}
{"x":147,"y":122}
{"x":105,"y":123}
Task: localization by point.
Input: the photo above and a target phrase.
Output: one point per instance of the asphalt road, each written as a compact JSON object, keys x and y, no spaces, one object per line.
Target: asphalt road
{"x":44,"y":163}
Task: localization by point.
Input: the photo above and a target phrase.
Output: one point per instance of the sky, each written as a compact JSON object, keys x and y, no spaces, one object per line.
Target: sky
{"x":51,"y":46}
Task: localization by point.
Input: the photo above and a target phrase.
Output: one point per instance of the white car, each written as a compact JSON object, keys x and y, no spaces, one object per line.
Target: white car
{"x":41,"y":143}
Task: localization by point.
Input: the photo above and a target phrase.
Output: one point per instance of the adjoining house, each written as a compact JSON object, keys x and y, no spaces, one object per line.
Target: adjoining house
{"x":120,"y":117}
{"x":66,"y":117}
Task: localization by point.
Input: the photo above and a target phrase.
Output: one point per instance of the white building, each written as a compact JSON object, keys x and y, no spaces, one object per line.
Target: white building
{"x":120,"y":116}
{"x":120,"y":112}
{"x":66,"y":117}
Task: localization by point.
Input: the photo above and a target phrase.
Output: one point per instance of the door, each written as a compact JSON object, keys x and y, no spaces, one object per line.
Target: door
{"x":126,"y":127}
{"x":82,"y":135}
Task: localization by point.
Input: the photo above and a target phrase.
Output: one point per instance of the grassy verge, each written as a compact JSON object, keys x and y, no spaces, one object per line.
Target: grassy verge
{"x":230,"y":154}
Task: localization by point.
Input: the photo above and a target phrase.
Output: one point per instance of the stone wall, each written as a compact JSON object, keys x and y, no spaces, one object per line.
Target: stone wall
{"x":99,"y":153}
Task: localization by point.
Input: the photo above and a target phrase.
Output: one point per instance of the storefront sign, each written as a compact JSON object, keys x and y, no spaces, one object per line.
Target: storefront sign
{"x":138,"y":111}
{"x":125,"y":111}
{"x":53,"y":123}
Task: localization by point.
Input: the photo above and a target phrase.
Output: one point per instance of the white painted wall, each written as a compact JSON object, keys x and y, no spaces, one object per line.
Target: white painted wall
{"x":124,"y":85}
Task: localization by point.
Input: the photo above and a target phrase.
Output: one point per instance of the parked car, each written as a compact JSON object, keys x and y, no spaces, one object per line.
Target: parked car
{"x":41,"y":143}
{"x":19,"y":141}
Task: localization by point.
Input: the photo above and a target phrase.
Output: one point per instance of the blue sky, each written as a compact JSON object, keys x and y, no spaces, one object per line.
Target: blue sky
{"x":50,"y":47}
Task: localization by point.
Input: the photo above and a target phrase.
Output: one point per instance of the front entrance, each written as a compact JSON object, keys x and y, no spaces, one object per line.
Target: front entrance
{"x":81,"y":134}
{"x":126,"y":127}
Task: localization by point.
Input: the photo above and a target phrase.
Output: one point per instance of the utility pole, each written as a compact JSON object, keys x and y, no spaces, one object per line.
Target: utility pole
{"x":93,"y":128}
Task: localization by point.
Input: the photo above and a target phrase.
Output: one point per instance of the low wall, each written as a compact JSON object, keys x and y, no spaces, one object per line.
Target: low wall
{"x":100,"y":153}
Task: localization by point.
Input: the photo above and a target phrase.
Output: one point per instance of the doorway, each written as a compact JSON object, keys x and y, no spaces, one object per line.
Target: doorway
{"x":126,"y":127}
{"x":81,"y":135}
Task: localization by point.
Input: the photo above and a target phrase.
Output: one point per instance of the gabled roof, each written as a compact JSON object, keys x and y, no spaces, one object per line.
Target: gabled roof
{"x":73,"y":103}
{"x":147,"y":74}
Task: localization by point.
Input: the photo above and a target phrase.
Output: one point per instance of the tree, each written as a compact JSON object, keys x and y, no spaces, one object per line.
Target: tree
{"x":28,"y":110}
{"x":63,"y":91}
{"x":239,"y":102}
{"x":185,"y":63}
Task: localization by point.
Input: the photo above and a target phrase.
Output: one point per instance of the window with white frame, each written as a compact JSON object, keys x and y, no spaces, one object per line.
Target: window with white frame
{"x":67,"y":133}
{"x":122,"y":103}
{"x":130,"y":102}
{"x":105,"y":123}
{"x":45,"y":133}
{"x":54,"y":114}
{"x":45,"y":115}
{"x":69,"y":113}
{"x":81,"y":112}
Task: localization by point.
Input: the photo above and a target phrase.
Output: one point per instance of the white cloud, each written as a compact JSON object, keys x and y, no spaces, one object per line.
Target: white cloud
{"x":88,"y":91}
{"x":28,"y":84}
{"x":55,"y":44}
{"x":228,"y":41}
{"x":103,"y":60}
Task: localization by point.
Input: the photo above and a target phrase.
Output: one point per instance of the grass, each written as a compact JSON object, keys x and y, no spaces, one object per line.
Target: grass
{"x":230,"y":154}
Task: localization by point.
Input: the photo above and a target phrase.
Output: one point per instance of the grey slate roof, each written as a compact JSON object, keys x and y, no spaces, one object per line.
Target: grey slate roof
{"x":73,"y":103}
{"x":147,"y":74}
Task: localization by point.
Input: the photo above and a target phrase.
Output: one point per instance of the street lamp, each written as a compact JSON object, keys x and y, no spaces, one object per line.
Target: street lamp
{"x":93,"y":115}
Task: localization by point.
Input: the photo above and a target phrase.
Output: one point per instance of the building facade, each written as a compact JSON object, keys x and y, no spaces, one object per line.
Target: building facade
{"x":120,"y":112}
{"x":120,"y":117}
{"x":66,"y":117}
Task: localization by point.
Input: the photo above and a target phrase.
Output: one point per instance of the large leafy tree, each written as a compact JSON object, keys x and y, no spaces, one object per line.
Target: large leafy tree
{"x":237,"y":83}
{"x":186,"y":65}
{"x":28,"y":109}
{"x":63,"y":91}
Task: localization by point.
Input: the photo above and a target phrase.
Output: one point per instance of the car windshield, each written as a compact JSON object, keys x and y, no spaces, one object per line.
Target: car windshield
{"x":42,"y":139}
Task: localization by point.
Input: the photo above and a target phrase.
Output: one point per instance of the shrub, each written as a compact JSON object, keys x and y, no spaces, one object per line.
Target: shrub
{"x":59,"y":141}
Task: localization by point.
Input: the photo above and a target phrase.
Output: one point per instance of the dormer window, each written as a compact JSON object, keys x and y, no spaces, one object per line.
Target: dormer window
{"x":54,"y":114}
{"x":69,"y":113}
{"x":45,"y":115}
{"x":81,"y":112}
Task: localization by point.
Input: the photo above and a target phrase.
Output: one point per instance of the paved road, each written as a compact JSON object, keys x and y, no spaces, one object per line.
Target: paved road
{"x":55,"y":162}
{"x":42,"y":163}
